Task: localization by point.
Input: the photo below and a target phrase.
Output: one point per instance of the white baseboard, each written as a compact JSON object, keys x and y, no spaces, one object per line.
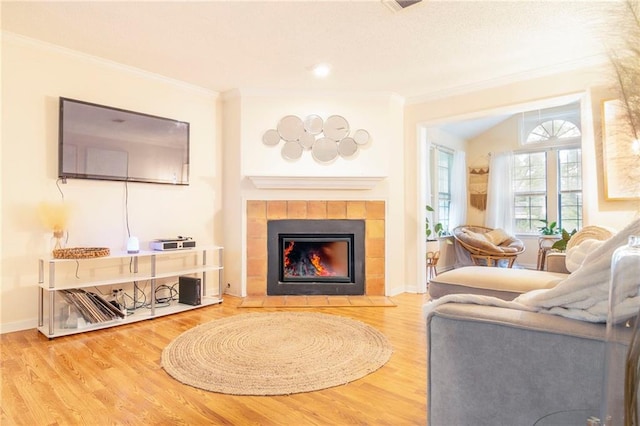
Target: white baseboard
{"x":409,"y":288}
{"x":19,"y":326}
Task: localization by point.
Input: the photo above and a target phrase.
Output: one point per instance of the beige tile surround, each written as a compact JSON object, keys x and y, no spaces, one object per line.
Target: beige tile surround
{"x":315,"y":301}
{"x":259,"y":212}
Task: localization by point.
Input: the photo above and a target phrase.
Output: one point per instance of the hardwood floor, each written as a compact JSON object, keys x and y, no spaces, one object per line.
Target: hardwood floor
{"x":113,"y":376}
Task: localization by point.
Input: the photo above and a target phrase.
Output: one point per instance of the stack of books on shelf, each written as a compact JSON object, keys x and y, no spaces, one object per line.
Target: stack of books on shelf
{"x":93,"y":307}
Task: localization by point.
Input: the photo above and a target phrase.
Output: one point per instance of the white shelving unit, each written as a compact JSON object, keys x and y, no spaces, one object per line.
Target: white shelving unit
{"x":126,"y":268}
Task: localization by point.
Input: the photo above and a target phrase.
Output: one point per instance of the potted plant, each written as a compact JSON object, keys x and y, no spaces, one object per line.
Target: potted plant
{"x":431,"y":234}
{"x":549,"y":228}
{"x":561,"y":244}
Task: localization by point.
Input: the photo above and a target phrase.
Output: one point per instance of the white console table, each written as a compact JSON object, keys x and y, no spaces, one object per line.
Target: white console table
{"x":122,"y":269}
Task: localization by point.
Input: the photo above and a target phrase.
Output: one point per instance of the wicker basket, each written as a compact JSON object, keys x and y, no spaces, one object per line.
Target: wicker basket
{"x":81,"y":252}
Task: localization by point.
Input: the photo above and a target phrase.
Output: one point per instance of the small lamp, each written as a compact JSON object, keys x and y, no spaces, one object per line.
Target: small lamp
{"x":55,"y":216}
{"x":133,"y":245}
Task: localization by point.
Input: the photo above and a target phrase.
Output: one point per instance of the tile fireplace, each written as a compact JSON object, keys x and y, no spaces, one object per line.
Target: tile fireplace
{"x":259,"y":247}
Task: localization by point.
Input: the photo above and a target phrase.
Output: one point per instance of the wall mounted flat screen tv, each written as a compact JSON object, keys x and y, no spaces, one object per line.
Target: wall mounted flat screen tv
{"x":106,"y":143}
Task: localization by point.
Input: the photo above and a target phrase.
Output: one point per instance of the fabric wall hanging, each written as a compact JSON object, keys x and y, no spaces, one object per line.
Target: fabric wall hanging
{"x":478,"y":181}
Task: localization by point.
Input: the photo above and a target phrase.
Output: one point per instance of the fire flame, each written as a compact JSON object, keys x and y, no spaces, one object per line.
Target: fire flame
{"x":287,"y":251}
{"x":317,"y":263}
{"x":306,"y":260}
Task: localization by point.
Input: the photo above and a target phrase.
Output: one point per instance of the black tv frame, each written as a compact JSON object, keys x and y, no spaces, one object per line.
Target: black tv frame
{"x":124,"y":115}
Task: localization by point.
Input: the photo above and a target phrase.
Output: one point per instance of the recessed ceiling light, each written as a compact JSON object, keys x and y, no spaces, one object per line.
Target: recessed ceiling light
{"x":321,"y":70}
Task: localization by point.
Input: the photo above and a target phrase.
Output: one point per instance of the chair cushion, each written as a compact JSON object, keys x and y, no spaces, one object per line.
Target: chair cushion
{"x":477,"y":240}
{"x":512,"y":245}
{"x":497,"y":236}
{"x":505,"y":283}
{"x":493,"y":241}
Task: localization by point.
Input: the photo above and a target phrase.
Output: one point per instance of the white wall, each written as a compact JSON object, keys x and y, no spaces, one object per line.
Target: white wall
{"x":234,"y":233}
{"x":261,"y":112}
{"x":34,"y":76}
{"x":250,"y":113}
{"x":443,"y":138}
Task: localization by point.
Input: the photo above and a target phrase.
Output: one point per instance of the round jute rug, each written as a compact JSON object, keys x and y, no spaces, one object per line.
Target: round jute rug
{"x":275,"y":353}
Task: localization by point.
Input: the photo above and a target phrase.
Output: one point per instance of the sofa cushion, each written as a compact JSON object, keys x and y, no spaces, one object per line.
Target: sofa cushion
{"x":593,"y":232}
{"x":584,"y":242}
{"x":505,"y":283}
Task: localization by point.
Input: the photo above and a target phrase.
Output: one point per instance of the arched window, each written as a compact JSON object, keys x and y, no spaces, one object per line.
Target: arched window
{"x":547,"y":173}
{"x":553,"y":131}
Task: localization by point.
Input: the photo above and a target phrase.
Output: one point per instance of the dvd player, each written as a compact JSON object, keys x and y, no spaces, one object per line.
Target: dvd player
{"x":179,"y":243}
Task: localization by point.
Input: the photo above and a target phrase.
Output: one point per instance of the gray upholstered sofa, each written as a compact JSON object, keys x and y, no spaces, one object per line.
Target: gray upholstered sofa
{"x":496,"y":366}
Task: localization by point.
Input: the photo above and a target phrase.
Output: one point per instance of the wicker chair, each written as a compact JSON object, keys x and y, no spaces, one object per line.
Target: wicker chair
{"x":488,"y":246}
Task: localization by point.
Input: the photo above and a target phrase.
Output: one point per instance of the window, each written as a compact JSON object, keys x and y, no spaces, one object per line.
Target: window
{"x":445,"y":162}
{"x":440,"y":169}
{"x":530,"y":190}
{"x":570,"y":188}
{"x":553,"y":130}
{"x":547,"y":183}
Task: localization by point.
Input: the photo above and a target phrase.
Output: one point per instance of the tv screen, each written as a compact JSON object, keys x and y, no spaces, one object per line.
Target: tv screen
{"x":106,"y":143}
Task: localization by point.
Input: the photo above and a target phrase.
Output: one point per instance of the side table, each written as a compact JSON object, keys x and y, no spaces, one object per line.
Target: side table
{"x":432,"y":262}
{"x":545,"y":242}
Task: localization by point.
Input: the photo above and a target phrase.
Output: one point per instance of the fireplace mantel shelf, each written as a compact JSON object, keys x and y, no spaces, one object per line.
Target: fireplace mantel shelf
{"x":315,"y":182}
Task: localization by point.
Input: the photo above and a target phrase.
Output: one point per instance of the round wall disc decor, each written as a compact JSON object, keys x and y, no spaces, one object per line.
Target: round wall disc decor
{"x":336,"y":127}
{"x":347,"y":147}
{"x":324,"y":150}
{"x":313,"y":124}
{"x":361,"y":136}
{"x":326,"y":139}
{"x":307,"y":140}
{"x":292,"y":150}
{"x":290,"y":128}
{"x":271,"y":137}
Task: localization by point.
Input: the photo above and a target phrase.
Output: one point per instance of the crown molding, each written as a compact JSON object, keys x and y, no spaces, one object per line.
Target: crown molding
{"x":586,"y":64}
{"x":28,"y":41}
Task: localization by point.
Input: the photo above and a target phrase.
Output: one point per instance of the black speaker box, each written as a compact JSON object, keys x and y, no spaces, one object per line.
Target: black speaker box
{"x":189,"y":289}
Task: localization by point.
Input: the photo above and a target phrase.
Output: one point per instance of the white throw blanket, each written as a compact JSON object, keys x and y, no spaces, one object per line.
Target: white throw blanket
{"x":577,"y":255}
{"x":583,"y":295}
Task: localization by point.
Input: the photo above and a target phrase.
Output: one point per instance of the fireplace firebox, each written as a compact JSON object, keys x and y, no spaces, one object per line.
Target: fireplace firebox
{"x":315,"y":257}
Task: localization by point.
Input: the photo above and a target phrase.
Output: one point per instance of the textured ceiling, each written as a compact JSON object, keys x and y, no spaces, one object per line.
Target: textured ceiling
{"x":426,"y":50}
